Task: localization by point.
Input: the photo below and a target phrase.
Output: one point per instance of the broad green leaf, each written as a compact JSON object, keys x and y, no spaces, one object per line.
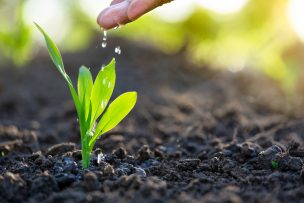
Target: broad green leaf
{"x":85,"y":84}
{"x":117,"y":110}
{"x":102,"y":89}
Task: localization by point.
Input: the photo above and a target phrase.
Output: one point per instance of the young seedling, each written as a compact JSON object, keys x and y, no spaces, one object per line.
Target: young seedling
{"x":91,"y":100}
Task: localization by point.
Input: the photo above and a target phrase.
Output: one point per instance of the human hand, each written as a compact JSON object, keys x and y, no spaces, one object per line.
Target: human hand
{"x":121,"y":12}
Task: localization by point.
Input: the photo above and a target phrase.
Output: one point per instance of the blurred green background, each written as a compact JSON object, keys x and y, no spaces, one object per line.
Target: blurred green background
{"x":265,"y":36}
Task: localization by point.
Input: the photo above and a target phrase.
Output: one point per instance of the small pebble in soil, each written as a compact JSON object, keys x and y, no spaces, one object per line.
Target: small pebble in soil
{"x":65,"y":179}
{"x":12,"y":187}
{"x":124,"y":169}
{"x":140,"y":171}
{"x":295,"y":163}
{"x":188,"y":164}
{"x":91,"y":182}
{"x":158,"y":154}
{"x":120,"y":153}
{"x":149,"y":163}
{"x":144,"y":153}
{"x":108,"y":170}
{"x":69,"y":164}
{"x":272,"y":158}
{"x":60,"y":149}
{"x":248,"y":149}
{"x":271,"y":151}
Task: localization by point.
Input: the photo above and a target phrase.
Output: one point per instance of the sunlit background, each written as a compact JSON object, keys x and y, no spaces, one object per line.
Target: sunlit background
{"x":266,"y":36}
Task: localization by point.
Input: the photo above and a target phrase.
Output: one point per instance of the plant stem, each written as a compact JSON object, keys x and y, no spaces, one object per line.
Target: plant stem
{"x":85,"y":153}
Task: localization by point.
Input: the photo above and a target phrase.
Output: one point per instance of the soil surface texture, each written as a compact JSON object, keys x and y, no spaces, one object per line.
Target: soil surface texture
{"x":195,"y":135}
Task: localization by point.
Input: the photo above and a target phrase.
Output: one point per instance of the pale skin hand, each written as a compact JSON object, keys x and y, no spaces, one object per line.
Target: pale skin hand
{"x":121,"y":12}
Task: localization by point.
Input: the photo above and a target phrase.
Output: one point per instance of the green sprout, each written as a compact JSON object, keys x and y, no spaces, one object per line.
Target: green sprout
{"x":91,"y":100}
{"x":274,"y":164}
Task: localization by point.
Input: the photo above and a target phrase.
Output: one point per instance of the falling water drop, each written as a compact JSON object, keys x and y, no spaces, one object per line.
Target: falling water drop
{"x":118,"y":50}
{"x":104,"y":44}
{"x":104,"y":39}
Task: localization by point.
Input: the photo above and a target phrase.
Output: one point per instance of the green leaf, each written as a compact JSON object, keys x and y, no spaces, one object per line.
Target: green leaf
{"x":57,"y":60}
{"x":117,"y":110}
{"x":75,"y":98}
{"x":53,"y":51}
{"x":102,"y":89}
{"x":85,"y":84}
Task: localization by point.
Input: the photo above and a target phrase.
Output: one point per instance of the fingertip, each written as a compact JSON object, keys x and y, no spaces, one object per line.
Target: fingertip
{"x":114,"y":15}
{"x":104,"y":21}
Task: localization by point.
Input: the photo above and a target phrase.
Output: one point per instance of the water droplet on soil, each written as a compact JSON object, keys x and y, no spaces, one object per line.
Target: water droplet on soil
{"x":100,"y":158}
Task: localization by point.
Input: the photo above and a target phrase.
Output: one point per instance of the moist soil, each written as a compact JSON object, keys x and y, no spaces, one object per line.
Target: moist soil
{"x":195,"y":135}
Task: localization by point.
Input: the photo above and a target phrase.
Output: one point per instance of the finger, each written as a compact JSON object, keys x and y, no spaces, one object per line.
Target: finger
{"x":116,"y":2}
{"x":139,"y":7}
{"x":114,"y":15}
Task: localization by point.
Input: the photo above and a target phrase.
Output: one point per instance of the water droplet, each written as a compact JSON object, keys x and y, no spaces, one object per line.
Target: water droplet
{"x":100,"y":158}
{"x":104,"y":44}
{"x":104,"y":39}
{"x":102,"y":68}
{"x":91,"y":133}
{"x":118,"y":50}
{"x":104,"y":81}
{"x":103,"y":103}
{"x":109,"y":84}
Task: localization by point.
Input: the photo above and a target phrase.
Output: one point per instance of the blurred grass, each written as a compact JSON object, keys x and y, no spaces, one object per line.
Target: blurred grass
{"x":15,"y":34}
{"x":255,"y":37}
{"x":259,"y":37}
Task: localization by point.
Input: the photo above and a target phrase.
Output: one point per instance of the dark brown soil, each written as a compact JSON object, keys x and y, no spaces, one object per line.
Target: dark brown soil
{"x":194,"y":136}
